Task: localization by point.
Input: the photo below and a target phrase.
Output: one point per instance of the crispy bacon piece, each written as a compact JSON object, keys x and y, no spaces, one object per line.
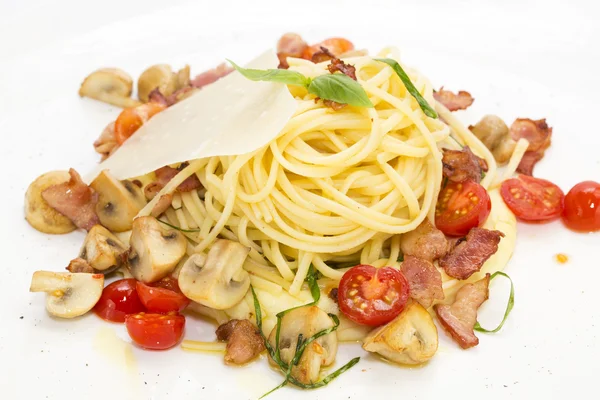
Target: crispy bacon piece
{"x":539,"y":135}
{"x":155,"y":96}
{"x":469,"y":254}
{"x":338,"y":65}
{"x":161,"y":206}
{"x":454,"y":102}
{"x":80,"y":265}
{"x":165,"y":174}
{"x":334,"y":105}
{"x":290,"y":45}
{"x":459,"y":318}
{"x":107,"y":144}
{"x":210,"y":76}
{"x":322,"y":55}
{"x":244,"y":342}
{"x":426,"y":242}
{"x":75,"y":200}
{"x":463,"y":165}
{"x":424,"y":279}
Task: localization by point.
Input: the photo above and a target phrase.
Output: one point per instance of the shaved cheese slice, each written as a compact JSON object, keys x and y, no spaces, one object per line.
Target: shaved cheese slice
{"x":229,"y":117}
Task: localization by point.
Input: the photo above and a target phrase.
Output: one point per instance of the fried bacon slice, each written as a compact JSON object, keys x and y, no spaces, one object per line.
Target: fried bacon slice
{"x":322,"y":55}
{"x":338,"y":65}
{"x":165,"y":174}
{"x":539,"y":135}
{"x":210,"y":76}
{"x":459,"y":318}
{"x":107,"y":144}
{"x":424,"y":279}
{"x":469,"y":254}
{"x":454,"y":102}
{"x":290,"y":45}
{"x":244,"y":342}
{"x":425,"y":242}
{"x":75,"y":200}
{"x":80,"y":265}
{"x":463,"y":165}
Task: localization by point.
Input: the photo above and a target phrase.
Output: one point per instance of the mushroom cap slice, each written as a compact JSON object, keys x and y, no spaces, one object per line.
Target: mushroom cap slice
{"x":217,"y":281}
{"x":109,"y":85}
{"x":162,"y":77}
{"x":102,"y":250}
{"x":306,"y":321}
{"x":38,"y":212}
{"x":410,"y":338}
{"x":69,"y":295}
{"x":155,"y":251}
{"x":118,"y":202}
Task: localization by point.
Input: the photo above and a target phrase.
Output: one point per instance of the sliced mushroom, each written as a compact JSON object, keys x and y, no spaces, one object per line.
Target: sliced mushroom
{"x":161,"y":76}
{"x":68,"y":295}
{"x":118,"y":202}
{"x":102,"y":250}
{"x":217,"y":281}
{"x":38,"y":212}
{"x":109,"y":85}
{"x":410,"y":338}
{"x":155,"y":251}
{"x":306,"y":321}
{"x":494,"y":133}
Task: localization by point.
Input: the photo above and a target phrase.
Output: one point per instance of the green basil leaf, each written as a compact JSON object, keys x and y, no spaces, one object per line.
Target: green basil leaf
{"x":509,"y":305}
{"x":273,"y":75}
{"x":427,"y":109}
{"x":341,"y":89}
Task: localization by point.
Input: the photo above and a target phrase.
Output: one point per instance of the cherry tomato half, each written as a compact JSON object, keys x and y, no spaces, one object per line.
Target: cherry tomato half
{"x":163,"y":296}
{"x":155,"y":331}
{"x":582,"y":207}
{"x":372,"y":296}
{"x":119,"y":299}
{"x":532,"y":199}
{"x":132,"y":118}
{"x":337,"y":47}
{"x":462,"y":206}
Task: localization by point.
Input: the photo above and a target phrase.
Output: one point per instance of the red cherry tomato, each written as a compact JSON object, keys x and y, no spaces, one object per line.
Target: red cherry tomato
{"x":582,"y":207}
{"x":119,"y":299}
{"x":532,"y":199}
{"x":130,"y":119}
{"x":372,"y":296}
{"x":163,"y":296}
{"x":336,"y":46}
{"x":462,"y":206}
{"x":155,"y":331}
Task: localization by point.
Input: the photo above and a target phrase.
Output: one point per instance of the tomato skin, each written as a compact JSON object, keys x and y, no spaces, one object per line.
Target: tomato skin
{"x":582,"y":207}
{"x":155,"y":331}
{"x":337,"y":47}
{"x":132,"y":118}
{"x":462,"y":206}
{"x":119,"y":299}
{"x":363,"y":291}
{"x":163,"y":296}
{"x":532,"y":199}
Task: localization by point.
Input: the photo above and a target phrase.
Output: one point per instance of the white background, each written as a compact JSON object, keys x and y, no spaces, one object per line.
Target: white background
{"x":518,"y":58}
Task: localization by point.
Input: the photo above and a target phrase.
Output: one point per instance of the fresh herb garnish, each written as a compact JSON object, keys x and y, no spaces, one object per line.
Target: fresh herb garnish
{"x":400,"y":257}
{"x":301,"y":345}
{"x":311,"y":278}
{"x":335,"y":87}
{"x":427,"y":109}
{"x":178,"y":228}
{"x":509,"y":305}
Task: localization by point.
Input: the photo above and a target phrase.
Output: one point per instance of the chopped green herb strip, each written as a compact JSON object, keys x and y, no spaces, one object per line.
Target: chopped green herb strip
{"x":273,"y":75}
{"x":311,"y":278}
{"x":509,"y":305}
{"x":300,"y":347}
{"x":427,"y":109}
{"x":400,"y":257}
{"x":341,"y":89}
{"x":178,"y":228}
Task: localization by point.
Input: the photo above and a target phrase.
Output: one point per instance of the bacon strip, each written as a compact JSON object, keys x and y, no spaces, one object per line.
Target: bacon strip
{"x":459,"y":318}
{"x":75,"y":200}
{"x":463,"y":165}
{"x":244,"y":342}
{"x":290,"y":45}
{"x":107,"y":144}
{"x":539,"y":135}
{"x":425,"y":242}
{"x":165,"y":174}
{"x":424,"y":279}
{"x":454,"y":102}
{"x":80,"y":265}
{"x":210,"y":76}
{"x":469,"y":254}
{"x":338,"y":65}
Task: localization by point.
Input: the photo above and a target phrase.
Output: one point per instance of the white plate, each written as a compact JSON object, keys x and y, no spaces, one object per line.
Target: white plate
{"x":516,"y":60}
